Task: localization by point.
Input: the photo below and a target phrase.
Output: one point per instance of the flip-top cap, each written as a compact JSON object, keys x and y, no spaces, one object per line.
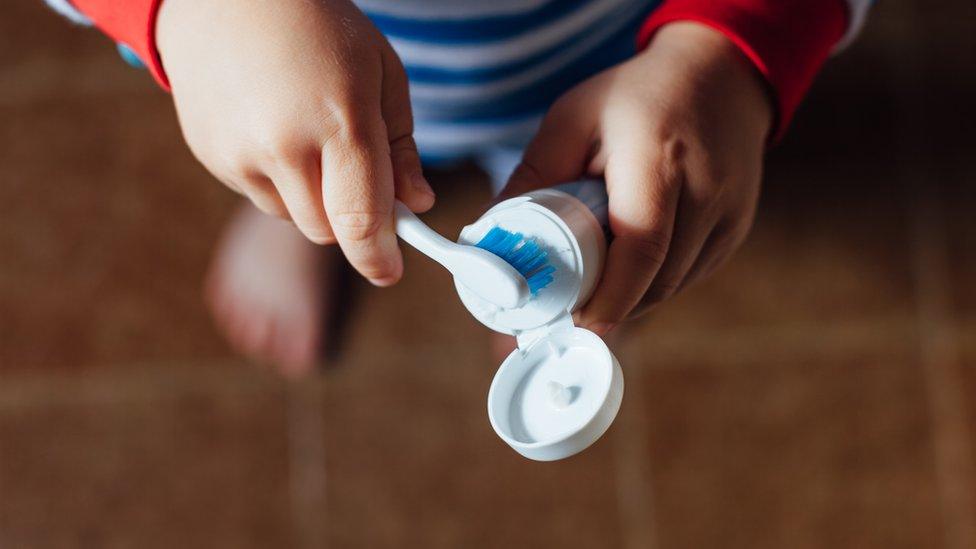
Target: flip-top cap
{"x":556,"y":395}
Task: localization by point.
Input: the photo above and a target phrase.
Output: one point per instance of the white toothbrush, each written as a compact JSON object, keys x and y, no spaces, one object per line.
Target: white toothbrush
{"x":481,"y":271}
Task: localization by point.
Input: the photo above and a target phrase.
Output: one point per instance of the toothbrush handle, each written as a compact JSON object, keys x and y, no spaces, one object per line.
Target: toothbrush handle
{"x":482,"y":272}
{"x":416,"y":233}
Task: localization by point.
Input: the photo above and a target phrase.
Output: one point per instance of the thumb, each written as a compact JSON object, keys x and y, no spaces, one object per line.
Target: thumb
{"x":558,"y":153}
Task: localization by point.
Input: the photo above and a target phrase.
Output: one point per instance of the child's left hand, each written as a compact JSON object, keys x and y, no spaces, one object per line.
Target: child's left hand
{"x":678,"y":132}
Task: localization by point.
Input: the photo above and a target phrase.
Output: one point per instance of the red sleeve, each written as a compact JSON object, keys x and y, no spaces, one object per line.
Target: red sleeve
{"x":787,"y":40}
{"x":131,"y":22}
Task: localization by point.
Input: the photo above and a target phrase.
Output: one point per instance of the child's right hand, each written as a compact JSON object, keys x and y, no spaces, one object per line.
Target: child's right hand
{"x":303,"y":107}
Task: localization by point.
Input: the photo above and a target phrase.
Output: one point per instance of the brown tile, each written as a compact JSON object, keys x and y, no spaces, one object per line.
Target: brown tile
{"x":958,"y":195}
{"x":107,"y":218}
{"x":950,"y":353}
{"x":48,"y":56}
{"x":107,"y":227}
{"x":37,"y":30}
{"x":771,"y":442}
{"x":781,"y":401}
{"x":143,"y":458}
{"x":966,"y":374}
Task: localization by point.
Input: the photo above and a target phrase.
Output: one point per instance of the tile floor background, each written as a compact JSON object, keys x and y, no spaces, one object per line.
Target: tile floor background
{"x":817,"y":392}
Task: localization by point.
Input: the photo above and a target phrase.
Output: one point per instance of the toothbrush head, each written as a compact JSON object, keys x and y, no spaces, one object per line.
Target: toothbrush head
{"x":524,"y":254}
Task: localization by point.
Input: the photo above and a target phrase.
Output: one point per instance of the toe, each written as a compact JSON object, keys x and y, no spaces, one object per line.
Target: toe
{"x":296,"y":348}
{"x":238,"y":329}
{"x":255,"y":335}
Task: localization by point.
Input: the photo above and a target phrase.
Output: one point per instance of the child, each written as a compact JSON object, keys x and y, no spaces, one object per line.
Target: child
{"x":303,"y":107}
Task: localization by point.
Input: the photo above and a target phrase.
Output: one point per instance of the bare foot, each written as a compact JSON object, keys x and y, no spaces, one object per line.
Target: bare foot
{"x":267,"y":289}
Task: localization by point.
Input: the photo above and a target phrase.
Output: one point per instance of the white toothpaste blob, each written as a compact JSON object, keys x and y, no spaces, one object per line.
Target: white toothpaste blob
{"x":560,"y":396}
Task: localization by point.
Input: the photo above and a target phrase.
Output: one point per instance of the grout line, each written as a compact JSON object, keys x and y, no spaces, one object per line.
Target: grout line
{"x":632,"y":464}
{"x":159,"y":380}
{"x":834,"y":336}
{"x":939,"y":351}
{"x":118,"y":385}
{"x":940,"y":358}
{"x":306,"y":461}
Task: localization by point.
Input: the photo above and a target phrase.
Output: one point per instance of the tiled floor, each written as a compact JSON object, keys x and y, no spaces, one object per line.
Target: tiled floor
{"x":816,"y":392}
{"x":145,"y":457}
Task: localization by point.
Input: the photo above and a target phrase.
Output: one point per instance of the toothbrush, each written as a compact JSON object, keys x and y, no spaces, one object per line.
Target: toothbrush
{"x":495,"y":271}
{"x":528,"y":258}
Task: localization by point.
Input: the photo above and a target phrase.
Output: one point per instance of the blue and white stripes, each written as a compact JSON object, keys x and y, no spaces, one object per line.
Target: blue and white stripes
{"x":483,"y":73}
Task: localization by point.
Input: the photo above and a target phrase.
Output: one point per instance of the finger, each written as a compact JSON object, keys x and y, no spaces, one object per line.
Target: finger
{"x":712,"y":253}
{"x":411,"y":187}
{"x":709,"y":256}
{"x":694,"y":221}
{"x":298,"y":185}
{"x":724,"y":240}
{"x":644,"y":191}
{"x":253,"y":184}
{"x":558,"y":153}
{"x":262,"y":193}
{"x":230,"y":184}
{"x":357,"y":186}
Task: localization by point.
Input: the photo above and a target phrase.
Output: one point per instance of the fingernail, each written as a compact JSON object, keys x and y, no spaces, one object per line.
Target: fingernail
{"x":420,"y":183}
{"x":383,"y":282}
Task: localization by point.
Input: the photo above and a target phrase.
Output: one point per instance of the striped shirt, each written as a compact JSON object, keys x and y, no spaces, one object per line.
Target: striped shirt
{"x":483,"y":73}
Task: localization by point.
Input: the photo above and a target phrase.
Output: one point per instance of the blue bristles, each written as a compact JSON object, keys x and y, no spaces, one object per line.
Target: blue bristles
{"x":524,"y":254}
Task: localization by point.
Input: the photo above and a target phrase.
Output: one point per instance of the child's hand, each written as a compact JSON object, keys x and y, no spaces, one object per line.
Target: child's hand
{"x":302,"y":107}
{"x":678,"y":132}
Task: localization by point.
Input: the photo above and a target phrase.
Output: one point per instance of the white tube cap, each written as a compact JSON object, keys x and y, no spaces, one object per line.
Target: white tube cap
{"x":557,"y":394}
